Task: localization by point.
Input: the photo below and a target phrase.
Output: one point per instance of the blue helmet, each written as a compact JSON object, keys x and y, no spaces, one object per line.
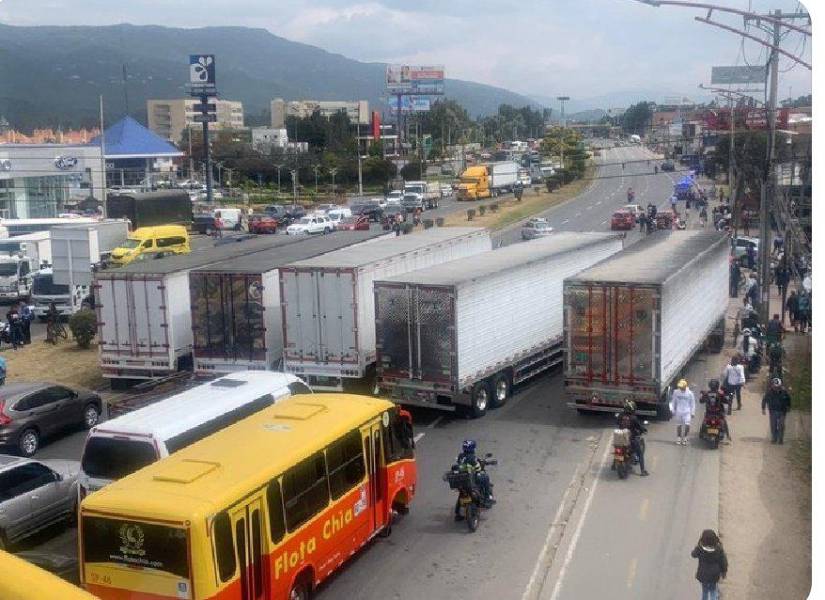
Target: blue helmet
{"x":468,"y":446}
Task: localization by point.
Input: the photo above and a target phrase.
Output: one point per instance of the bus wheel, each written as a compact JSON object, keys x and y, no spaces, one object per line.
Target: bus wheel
{"x":301,"y":589}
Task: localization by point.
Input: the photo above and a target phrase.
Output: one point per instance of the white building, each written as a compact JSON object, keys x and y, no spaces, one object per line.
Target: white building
{"x":169,"y":118}
{"x":358,"y":111}
{"x":38,"y":180}
{"x":264,"y":139}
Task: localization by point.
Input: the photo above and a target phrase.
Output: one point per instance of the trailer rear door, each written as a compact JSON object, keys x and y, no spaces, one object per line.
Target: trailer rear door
{"x":133,"y":316}
{"x":611,"y":331}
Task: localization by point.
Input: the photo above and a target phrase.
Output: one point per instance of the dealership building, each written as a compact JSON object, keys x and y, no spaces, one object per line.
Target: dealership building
{"x":40,"y":180}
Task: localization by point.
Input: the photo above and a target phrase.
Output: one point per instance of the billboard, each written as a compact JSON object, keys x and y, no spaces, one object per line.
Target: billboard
{"x":202,"y":74}
{"x":415,"y":80}
{"x":735,"y":75}
{"x":409,"y":104}
{"x":746,"y":118}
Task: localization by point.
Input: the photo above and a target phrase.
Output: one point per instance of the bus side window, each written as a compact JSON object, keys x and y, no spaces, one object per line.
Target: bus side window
{"x":224,"y":547}
{"x":345,"y":463}
{"x":275,"y":505}
{"x":306,"y":490}
{"x":398,"y":439}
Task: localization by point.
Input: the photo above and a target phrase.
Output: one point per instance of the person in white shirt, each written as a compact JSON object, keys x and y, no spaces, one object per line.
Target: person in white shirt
{"x":734,"y":379}
{"x":683,"y":407}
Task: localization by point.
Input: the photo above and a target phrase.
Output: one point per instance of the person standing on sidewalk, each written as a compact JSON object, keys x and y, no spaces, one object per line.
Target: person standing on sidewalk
{"x":792,"y":306}
{"x":735,"y":276}
{"x":683,"y":407}
{"x":734,"y":378}
{"x":804,"y":310}
{"x":778,"y":401}
{"x":713,"y":564}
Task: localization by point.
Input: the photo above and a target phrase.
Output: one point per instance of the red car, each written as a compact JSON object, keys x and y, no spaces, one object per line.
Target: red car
{"x":263,"y":224}
{"x":354,"y":223}
{"x":622,"y":220}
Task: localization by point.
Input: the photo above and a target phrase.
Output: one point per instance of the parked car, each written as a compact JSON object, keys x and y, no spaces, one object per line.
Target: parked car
{"x":33,"y":410}
{"x":370,"y":208}
{"x":310,"y":225}
{"x":354,"y":223}
{"x":337,"y":214}
{"x":668,"y":166}
{"x":263,"y":224}
{"x":203,"y":223}
{"x":285,"y":214}
{"x":325,"y":208}
{"x":535,"y":228}
{"x":35,"y":494}
{"x":622,"y":219}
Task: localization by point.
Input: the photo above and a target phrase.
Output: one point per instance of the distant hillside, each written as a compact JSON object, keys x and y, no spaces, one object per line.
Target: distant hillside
{"x":52,"y":76}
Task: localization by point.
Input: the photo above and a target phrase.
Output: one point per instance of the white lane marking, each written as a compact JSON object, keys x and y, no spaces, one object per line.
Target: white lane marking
{"x":590,"y":207}
{"x":549,"y":539}
{"x":578,"y":214}
{"x":565,"y":221}
{"x":604,"y":222}
{"x":631,"y":573}
{"x":435,"y":422}
{"x":599,"y":202}
{"x":643,"y":509}
{"x":575,"y":539}
{"x":418,"y":436}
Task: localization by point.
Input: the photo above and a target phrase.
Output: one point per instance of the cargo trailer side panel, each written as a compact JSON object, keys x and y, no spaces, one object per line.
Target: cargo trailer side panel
{"x":506,"y":316}
{"x":273,"y":331}
{"x":693,"y":302}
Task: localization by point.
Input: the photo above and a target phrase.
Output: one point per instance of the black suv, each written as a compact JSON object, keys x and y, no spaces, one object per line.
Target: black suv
{"x":371,"y":208}
{"x":285,"y":214}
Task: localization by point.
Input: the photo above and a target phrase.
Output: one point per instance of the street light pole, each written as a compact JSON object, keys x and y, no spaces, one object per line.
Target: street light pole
{"x":294,"y":173}
{"x":278,"y":168}
{"x":332,"y":172}
{"x":315,"y":168}
{"x":358,"y":150}
{"x":562,"y":99}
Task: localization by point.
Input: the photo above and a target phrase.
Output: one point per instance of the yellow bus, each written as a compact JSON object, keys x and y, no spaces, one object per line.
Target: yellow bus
{"x":267,"y":508}
{"x":24,"y":581}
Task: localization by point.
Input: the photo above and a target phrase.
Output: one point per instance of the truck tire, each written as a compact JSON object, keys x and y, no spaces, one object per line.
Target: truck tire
{"x":480,"y":399}
{"x":501,"y":390}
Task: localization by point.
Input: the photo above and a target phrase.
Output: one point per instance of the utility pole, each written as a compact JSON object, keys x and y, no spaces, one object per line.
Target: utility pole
{"x":358,"y":150}
{"x":102,"y":163}
{"x":315,"y":168}
{"x":278,"y":168}
{"x":294,"y":173}
{"x":332,"y":172}
{"x":191,"y":158}
{"x":562,"y":99}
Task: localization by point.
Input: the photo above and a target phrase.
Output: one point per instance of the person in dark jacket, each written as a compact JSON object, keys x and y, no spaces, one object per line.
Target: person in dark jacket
{"x":778,"y":401}
{"x":713,"y":564}
{"x":735,"y":275}
{"x":792,"y":306}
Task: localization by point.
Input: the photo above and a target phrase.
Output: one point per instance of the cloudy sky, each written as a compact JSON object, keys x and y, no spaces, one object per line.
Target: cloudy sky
{"x":580,"y":48}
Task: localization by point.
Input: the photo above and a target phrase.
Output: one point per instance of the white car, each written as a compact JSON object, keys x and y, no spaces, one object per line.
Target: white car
{"x":636,"y":209}
{"x":394,"y":198}
{"x":446,"y":190}
{"x":311,"y":224}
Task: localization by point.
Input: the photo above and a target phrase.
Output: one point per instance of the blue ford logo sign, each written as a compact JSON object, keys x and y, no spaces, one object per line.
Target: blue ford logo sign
{"x":64,"y":163}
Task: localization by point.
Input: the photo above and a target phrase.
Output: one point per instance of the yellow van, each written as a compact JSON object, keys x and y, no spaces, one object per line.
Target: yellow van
{"x":165,"y":239}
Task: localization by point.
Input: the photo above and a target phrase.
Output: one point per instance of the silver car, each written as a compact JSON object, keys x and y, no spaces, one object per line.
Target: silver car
{"x":35,"y":494}
{"x":535,"y":228}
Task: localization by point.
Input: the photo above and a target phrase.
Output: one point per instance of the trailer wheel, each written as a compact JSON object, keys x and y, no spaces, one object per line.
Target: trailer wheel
{"x":481,"y":399}
{"x":501,"y":390}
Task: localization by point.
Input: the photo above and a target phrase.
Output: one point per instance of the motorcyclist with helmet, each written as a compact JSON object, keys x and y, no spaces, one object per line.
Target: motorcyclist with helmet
{"x":714,"y":400}
{"x":468,"y":459}
{"x":627,"y":419}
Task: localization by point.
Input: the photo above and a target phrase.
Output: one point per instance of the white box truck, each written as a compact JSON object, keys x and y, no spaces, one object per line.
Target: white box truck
{"x":634,"y":321}
{"x":236,"y":304}
{"x":502,"y":177}
{"x":36,"y":246}
{"x":144,"y":319}
{"x":462,"y":334}
{"x":328,"y":303}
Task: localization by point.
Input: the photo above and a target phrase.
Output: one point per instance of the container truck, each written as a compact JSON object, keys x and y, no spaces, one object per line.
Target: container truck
{"x":144,"y":318}
{"x":329,"y":308}
{"x":236,"y":304}
{"x":15,"y":277}
{"x":147,"y":209}
{"x":462,"y":334}
{"x":634,"y":321}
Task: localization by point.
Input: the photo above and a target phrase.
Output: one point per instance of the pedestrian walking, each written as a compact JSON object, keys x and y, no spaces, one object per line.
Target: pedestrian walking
{"x":15,"y":327}
{"x":26,"y":318}
{"x":2,"y":371}
{"x":774,"y":332}
{"x":804,"y":310}
{"x":778,"y":402}
{"x":703,"y":219}
{"x":750,"y":255}
{"x":753,"y":294}
{"x":782,"y":276}
{"x":734,"y":378}
{"x":746,"y":224}
{"x":683,"y":407}
{"x":792,"y":306}
{"x":713,"y":564}
{"x":217,"y":225}
{"x":735,"y":276}
{"x":673,"y":201}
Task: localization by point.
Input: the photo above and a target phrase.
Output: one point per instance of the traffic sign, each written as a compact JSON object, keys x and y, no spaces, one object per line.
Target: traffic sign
{"x":204,"y":107}
{"x":207,"y":118}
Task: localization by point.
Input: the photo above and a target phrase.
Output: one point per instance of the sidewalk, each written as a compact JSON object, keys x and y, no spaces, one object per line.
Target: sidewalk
{"x":765,"y":500}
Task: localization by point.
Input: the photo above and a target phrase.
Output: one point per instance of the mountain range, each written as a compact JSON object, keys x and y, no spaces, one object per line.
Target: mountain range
{"x":53,"y":76}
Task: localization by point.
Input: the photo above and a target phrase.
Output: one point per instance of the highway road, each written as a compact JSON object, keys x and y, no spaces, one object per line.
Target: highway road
{"x":565,"y":526}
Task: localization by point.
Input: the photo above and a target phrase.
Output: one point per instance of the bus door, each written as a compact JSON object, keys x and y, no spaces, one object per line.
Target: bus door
{"x":376,"y":471}
{"x":250,"y":548}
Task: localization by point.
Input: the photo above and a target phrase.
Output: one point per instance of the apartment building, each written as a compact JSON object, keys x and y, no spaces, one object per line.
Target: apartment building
{"x":169,"y":118}
{"x":358,"y":111}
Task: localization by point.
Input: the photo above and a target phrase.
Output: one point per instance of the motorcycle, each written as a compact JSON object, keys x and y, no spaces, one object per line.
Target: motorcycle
{"x":623,"y":456}
{"x":471,"y":502}
{"x":711,"y":430}
{"x":5,"y":333}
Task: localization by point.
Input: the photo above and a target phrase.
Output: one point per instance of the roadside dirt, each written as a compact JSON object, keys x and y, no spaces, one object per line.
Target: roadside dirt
{"x":63,"y":363}
{"x":765,"y":501}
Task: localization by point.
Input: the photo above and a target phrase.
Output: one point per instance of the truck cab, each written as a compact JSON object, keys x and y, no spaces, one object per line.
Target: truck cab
{"x":15,"y":277}
{"x":44,"y":291}
{"x":475,"y":184}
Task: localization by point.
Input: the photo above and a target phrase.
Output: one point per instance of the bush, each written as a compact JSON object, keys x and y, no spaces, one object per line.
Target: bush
{"x":482,"y":209}
{"x":428,"y":223}
{"x":83,"y":325}
{"x":470,"y":214}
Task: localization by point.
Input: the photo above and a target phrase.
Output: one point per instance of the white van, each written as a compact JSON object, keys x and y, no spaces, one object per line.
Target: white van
{"x":233,"y":218}
{"x":121,"y":446}
{"x":336,"y":215}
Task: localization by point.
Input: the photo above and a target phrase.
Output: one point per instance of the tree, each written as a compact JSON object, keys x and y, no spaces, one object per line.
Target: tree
{"x":638,"y":118}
